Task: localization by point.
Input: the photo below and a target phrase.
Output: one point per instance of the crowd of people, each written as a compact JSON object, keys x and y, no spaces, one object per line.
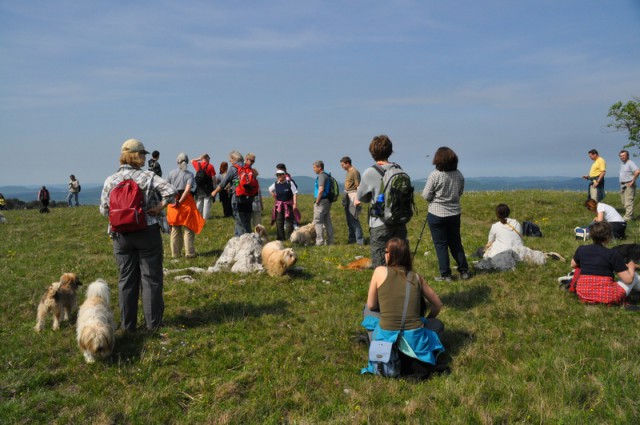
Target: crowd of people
{"x":398,"y":296}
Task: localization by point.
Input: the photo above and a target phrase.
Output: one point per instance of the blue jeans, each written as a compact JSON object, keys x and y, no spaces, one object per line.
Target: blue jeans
{"x":353,"y":224}
{"x":72,"y":195}
{"x":445,"y":232}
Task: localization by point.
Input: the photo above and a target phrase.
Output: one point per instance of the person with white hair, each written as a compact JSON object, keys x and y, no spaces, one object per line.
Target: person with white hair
{"x":183,"y":217}
{"x":241,"y":205}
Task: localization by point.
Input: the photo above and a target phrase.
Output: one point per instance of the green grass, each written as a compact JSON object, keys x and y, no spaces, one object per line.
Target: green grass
{"x":257,"y":349}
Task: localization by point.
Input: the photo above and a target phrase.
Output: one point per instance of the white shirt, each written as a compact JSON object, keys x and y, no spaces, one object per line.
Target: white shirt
{"x":611,"y":215}
{"x":626,"y":171}
{"x":504,"y":237}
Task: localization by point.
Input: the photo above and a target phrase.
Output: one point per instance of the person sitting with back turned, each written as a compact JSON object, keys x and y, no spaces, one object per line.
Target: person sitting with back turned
{"x":595,"y":266}
{"x":505,"y":245}
{"x":388,"y":289}
{"x":609,"y":214}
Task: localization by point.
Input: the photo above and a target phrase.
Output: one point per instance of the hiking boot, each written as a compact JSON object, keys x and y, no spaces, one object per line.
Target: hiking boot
{"x":465,"y":276}
{"x":443,"y":279}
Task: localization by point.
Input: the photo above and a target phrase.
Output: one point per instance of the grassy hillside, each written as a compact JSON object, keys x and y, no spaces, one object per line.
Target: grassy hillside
{"x":256,"y":349}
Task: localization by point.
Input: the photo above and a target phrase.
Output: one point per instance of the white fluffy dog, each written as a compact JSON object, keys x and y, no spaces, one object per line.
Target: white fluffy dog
{"x":96,"y":327}
{"x":242,"y":253}
{"x":305,"y":235}
{"x":276,"y":259}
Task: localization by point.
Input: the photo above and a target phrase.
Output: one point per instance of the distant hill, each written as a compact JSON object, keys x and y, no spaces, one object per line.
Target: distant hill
{"x":90,"y":194}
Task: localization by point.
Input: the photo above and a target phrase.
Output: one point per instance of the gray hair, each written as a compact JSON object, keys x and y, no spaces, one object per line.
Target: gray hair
{"x":319,"y":164}
{"x":182,"y":160}
{"x":236,"y":156}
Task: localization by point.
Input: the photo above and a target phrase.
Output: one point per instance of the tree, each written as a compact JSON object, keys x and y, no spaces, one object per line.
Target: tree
{"x":626,"y":117}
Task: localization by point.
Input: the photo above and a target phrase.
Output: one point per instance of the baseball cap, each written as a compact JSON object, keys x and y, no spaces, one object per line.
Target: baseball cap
{"x":133,"y":145}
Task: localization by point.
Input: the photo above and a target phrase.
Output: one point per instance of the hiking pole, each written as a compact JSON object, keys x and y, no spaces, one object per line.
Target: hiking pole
{"x":420,"y":238}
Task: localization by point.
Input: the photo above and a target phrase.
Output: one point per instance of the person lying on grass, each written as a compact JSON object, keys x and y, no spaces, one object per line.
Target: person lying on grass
{"x":419,"y":342}
{"x":595,"y":266}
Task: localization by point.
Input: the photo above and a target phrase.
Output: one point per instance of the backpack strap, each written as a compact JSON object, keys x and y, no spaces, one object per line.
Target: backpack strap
{"x":406,"y":302}
{"x":379,"y":169}
{"x":515,"y":230}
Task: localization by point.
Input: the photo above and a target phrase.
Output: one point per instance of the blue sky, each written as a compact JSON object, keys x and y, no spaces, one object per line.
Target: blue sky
{"x":516,"y":88}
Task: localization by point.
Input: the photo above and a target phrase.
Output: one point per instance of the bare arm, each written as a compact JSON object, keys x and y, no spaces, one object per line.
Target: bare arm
{"x":377,"y":278}
{"x":432,"y":297}
{"x":628,"y":275}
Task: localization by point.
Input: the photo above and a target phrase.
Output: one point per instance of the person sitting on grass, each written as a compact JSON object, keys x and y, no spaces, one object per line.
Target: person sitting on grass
{"x":505,"y":246}
{"x":609,"y":214}
{"x":595,"y":266}
{"x":419,"y":343}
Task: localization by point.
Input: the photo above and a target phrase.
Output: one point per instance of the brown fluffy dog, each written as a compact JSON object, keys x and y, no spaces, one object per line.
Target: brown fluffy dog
{"x":96,"y":327}
{"x":60,"y":298}
{"x":276,"y":259}
{"x":305,"y":235}
{"x":359,"y":264}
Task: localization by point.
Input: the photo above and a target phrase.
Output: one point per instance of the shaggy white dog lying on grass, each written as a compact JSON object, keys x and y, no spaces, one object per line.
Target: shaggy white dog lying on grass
{"x":242,"y":254}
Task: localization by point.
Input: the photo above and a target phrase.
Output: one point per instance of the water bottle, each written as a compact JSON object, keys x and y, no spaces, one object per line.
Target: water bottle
{"x":378,"y":207}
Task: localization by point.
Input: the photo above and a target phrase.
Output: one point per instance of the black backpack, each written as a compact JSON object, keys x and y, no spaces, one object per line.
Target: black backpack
{"x":529,"y":228}
{"x":203,"y":181}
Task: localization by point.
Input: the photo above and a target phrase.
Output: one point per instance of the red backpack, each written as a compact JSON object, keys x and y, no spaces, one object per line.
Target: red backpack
{"x":247,"y":182}
{"x":126,"y":212}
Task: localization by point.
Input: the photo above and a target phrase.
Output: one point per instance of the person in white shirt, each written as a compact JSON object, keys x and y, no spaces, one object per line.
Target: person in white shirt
{"x":609,"y":214}
{"x":506,"y":235}
{"x":628,"y":175}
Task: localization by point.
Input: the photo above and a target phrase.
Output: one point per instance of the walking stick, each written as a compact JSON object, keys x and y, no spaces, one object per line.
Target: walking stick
{"x":420,"y":238}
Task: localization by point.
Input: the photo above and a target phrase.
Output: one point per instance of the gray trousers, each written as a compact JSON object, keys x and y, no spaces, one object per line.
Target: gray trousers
{"x":379,"y":236}
{"x":322,"y":221}
{"x":139,"y":259}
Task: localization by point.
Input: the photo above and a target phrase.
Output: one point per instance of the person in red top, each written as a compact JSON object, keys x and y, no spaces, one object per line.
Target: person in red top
{"x":204,"y":189}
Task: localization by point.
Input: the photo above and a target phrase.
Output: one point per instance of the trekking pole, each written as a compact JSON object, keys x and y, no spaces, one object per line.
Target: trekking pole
{"x":420,"y":238}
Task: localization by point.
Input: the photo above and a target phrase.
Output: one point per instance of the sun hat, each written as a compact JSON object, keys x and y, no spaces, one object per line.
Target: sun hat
{"x":133,"y":145}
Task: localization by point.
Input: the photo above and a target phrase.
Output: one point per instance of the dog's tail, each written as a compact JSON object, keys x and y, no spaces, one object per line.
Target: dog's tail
{"x":99,"y":288}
